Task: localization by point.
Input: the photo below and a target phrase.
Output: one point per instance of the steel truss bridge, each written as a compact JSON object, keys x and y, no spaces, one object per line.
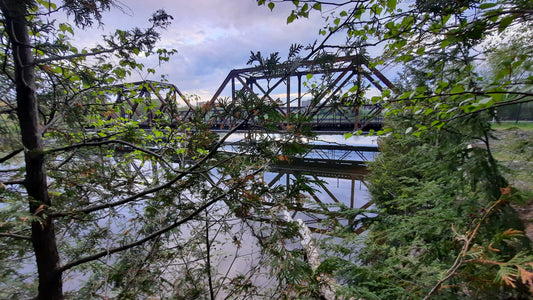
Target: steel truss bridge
{"x":324,"y":92}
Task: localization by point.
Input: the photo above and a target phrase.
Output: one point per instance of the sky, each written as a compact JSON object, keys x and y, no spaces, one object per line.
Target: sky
{"x":212,"y":37}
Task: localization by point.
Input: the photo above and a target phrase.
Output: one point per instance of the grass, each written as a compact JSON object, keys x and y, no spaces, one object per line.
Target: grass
{"x":526,"y":125}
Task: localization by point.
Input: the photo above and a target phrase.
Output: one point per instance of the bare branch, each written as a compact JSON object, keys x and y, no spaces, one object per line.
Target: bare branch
{"x":10,"y":155}
{"x":15,"y":236}
{"x":15,"y":182}
{"x":7,"y":111}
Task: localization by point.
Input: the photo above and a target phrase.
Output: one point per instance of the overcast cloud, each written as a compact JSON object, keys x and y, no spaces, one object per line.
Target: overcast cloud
{"x":211,"y":36}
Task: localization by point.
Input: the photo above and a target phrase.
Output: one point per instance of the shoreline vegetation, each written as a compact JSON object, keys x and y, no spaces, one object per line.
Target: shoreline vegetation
{"x":513,"y":148}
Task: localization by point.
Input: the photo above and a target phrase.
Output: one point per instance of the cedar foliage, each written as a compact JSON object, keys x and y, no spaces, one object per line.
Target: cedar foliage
{"x":435,"y":191}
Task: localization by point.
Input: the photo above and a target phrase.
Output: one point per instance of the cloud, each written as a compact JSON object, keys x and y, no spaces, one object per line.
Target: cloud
{"x":211,"y":36}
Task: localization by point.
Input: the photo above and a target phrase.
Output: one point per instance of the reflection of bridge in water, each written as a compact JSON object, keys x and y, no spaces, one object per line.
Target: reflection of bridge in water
{"x":336,"y":172}
{"x":338,"y":175}
{"x":335,"y":102}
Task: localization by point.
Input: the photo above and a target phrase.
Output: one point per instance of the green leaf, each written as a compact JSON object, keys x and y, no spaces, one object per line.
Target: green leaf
{"x":484,"y":101}
{"x":444,"y":43}
{"x":391,"y":4}
{"x":65,"y":27}
{"x":457,"y":89}
{"x":377,"y":9}
{"x":317,"y":6}
{"x":487,"y":5}
{"x":47,"y":4}
{"x":497,"y":97}
{"x":291,"y":18}
{"x":271,"y":5}
{"x":309,"y":76}
{"x":505,"y":22}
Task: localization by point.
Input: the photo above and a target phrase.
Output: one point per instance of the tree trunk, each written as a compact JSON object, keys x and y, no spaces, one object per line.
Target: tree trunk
{"x":43,"y":235}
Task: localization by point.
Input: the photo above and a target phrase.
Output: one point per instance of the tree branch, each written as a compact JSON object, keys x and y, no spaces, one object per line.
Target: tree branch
{"x":72,"y":56}
{"x":10,"y":155}
{"x":460,"y":258}
{"x":15,"y":236}
{"x":15,"y":182}
{"x":7,"y":111}
{"x":141,"y":241}
{"x":154,"y":189}
{"x":101,"y":143}
{"x":501,"y":104}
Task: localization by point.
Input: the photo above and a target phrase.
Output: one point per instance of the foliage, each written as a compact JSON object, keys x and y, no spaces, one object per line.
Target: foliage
{"x":430,"y":189}
{"x":128,"y":197}
{"x":446,"y":227}
{"x":410,"y":30}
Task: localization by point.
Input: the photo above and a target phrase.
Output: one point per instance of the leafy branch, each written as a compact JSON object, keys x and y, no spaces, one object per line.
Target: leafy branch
{"x":143,"y":240}
{"x":106,"y":142}
{"x":168,"y":184}
{"x":158,"y":233}
{"x":467,"y":238}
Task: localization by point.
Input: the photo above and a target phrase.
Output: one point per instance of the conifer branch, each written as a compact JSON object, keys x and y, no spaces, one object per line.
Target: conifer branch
{"x":459,"y":261}
{"x":141,"y":241}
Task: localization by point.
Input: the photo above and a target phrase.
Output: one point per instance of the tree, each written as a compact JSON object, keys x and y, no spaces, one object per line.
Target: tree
{"x":440,"y":201}
{"x":445,"y":217}
{"x":116,"y":209}
{"x":21,"y":24}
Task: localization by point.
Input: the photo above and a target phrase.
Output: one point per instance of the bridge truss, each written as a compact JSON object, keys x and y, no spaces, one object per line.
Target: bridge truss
{"x":330,"y":94}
